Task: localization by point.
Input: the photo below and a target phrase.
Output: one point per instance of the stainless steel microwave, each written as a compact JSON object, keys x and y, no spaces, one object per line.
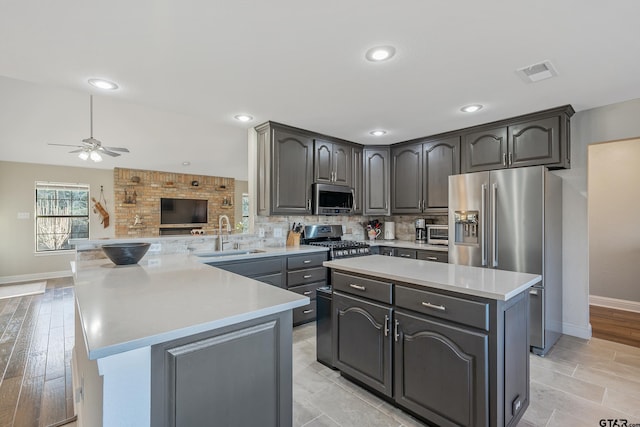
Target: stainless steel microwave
{"x":331,"y":199}
{"x":437,"y":234}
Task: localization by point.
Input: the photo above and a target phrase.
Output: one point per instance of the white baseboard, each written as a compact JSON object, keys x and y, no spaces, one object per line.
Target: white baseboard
{"x":34,"y":276}
{"x":579,"y":331}
{"x":618,"y":304}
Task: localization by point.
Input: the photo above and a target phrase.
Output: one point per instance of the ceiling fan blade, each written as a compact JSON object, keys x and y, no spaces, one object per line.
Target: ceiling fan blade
{"x":122,"y":149}
{"x":65,"y":145}
{"x":107,"y":152}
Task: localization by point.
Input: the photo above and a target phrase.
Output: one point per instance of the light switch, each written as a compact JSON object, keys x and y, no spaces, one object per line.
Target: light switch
{"x":24,"y":215}
{"x":155,"y":247}
{"x":277,"y":232}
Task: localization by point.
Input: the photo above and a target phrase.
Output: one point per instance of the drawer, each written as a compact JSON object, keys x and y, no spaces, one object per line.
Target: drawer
{"x":406,"y":253}
{"x":261,"y":267}
{"x":433,"y":256}
{"x":272,"y":279}
{"x":304,"y":314}
{"x":355,"y":285}
{"x":459,"y":310}
{"x":306,"y":261}
{"x":308,"y":290}
{"x":301,"y":277}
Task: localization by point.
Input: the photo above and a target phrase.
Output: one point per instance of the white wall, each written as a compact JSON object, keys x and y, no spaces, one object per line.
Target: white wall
{"x":617,"y":121}
{"x":614,"y":229}
{"x":18,"y":260}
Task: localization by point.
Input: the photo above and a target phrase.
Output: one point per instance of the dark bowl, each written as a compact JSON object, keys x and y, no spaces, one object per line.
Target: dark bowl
{"x":126,"y":253}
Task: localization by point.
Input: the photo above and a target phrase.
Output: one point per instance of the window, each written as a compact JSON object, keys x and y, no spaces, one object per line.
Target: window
{"x":62,"y":213}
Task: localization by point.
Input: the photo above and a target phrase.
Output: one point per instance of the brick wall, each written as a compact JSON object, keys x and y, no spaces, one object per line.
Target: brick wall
{"x":143,"y":199}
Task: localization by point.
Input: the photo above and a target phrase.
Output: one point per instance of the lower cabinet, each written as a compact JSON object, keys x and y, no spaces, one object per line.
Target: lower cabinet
{"x":449,"y":358}
{"x":440,"y":370}
{"x":363,"y":347}
{"x":239,"y":375}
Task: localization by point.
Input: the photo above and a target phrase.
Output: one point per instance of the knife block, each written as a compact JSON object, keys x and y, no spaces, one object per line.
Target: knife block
{"x":293,"y":239}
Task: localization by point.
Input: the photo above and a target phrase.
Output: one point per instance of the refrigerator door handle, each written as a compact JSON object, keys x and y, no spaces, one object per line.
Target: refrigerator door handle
{"x":483,"y":232}
{"x":494,"y":231}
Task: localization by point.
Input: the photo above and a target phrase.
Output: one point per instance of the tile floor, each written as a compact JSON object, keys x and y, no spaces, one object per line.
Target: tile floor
{"x":578,"y":383}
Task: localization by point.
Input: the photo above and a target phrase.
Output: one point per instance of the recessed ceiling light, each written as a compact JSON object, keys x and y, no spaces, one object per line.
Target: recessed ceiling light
{"x":103,"y":84}
{"x":243,"y":118}
{"x":378,"y":132}
{"x":380,"y":53}
{"x":186,"y":163}
{"x":471,"y":108}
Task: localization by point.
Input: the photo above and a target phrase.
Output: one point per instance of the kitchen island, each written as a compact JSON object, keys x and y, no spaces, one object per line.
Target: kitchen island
{"x":172,"y":341}
{"x":448,"y":343}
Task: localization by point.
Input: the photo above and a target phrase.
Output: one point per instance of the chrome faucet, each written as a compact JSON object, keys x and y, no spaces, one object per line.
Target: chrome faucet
{"x":221,"y":220}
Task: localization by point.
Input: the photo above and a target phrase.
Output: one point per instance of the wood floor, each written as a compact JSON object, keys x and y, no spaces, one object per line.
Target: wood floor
{"x":615,"y":325}
{"x":36,"y":339}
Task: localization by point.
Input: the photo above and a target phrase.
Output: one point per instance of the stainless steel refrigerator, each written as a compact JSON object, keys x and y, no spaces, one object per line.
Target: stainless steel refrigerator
{"x":511,"y":219}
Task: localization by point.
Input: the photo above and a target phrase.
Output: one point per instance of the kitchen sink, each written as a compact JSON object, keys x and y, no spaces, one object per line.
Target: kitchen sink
{"x":211,"y":254}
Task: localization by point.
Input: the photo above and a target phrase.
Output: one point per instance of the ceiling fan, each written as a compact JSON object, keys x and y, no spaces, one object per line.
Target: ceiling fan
{"x":91,"y":147}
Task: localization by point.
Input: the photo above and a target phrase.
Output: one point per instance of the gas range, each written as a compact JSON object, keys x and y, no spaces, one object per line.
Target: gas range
{"x":330,"y":236}
{"x":344,"y":248}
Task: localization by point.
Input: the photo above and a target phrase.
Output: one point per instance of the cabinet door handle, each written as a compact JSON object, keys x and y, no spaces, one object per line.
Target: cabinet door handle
{"x":308,"y":204}
{"x":510,"y":159}
{"x":353,"y":204}
{"x":386,"y":325}
{"x":307,"y":293}
{"x":396,"y":335}
{"x":307,"y":276}
{"x":405,"y":255}
{"x":307,"y":311}
{"x":432,"y":258}
{"x":358,"y":287}
{"x":434,"y":306}
{"x":306,"y":261}
{"x":504,"y":159}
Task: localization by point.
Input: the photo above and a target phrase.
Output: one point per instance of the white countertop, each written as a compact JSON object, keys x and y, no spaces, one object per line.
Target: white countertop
{"x":166,"y":297}
{"x":483,"y":282}
{"x":408,"y":244}
{"x":262,"y":253}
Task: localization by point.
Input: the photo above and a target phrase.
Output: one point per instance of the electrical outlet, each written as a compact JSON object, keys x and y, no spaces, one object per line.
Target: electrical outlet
{"x":23,"y":215}
{"x":155,"y":247}
{"x":277,"y":232}
{"x":154,"y":262}
{"x":261,"y":232}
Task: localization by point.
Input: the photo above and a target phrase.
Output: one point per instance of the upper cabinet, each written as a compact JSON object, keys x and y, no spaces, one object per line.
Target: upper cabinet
{"x":333,"y":163}
{"x":420,"y":174}
{"x":357,"y":179}
{"x":536,"y":139}
{"x":285,"y":170}
{"x":376,"y":181}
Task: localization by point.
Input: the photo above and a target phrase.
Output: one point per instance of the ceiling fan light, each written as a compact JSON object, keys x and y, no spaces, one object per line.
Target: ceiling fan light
{"x":96,"y":157}
{"x":83,"y":155}
{"x":103,"y":84}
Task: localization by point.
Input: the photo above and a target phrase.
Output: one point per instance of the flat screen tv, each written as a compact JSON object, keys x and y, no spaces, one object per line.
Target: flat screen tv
{"x":183,"y":211}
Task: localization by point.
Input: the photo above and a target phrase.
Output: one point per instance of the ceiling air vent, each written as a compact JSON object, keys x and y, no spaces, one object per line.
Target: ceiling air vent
{"x":536,"y":72}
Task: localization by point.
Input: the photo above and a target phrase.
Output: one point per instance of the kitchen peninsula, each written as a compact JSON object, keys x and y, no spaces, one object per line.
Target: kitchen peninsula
{"x":172,"y":341}
{"x":446,"y":342}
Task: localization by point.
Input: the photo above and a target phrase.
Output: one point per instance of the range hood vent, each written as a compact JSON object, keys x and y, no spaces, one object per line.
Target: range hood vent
{"x":536,"y":72}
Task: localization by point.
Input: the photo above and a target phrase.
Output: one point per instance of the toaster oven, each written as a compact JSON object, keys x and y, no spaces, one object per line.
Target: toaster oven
{"x":437,"y":234}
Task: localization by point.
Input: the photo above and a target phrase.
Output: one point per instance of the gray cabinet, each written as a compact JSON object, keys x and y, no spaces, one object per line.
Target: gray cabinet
{"x":453,"y":359}
{"x":406,"y":179}
{"x":267,"y":270}
{"x":536,"y":139}
{"x":357,"y":179}
{"x":238,"y":376}
{"x":305,"y":274}
{"x":363,"y":341}
{"x":420,"y":174}
{"x":406,"y":253}
{"x":436,"y":256}
{"x":285,"y":170}
{"x":441,"y":370}
{"x":332,"y":163}
{"x":376,"y":181}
